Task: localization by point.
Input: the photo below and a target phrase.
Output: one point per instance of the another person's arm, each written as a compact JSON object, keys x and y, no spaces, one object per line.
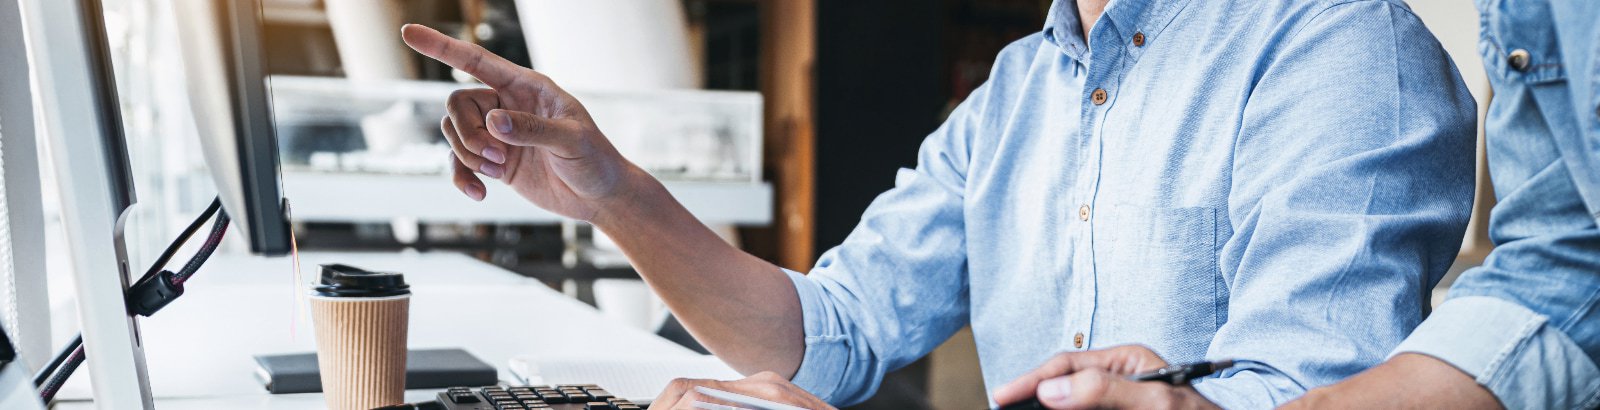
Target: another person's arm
{"x":530,"y":134}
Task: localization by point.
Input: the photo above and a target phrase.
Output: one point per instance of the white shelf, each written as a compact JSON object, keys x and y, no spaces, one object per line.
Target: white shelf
{"x":352,"y":197}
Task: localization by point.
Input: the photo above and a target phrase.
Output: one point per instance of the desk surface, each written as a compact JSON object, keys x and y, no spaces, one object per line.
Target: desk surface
{"x":200,"y":348}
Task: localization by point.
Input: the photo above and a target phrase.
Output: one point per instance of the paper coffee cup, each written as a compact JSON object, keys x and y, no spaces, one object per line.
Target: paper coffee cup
{"x":360,"y":318}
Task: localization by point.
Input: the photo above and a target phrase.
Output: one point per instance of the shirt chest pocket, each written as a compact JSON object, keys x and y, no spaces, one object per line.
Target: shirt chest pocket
{"x":1156,"y":279}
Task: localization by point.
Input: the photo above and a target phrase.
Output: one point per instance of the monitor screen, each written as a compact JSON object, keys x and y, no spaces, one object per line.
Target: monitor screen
{"x":232,"y":105}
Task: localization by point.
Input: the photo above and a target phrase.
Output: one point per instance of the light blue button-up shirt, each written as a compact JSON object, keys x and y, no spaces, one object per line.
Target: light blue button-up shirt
{"x":1276,"y":182}
{"x":1526,"y":324}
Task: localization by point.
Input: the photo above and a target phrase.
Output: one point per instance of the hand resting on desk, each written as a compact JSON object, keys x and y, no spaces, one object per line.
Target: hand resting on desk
{"x":680,"y":395}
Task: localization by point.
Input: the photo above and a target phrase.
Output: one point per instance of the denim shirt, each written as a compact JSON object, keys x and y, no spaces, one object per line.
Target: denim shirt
{"x":1275,"y":182}
{"x":1526,"y":324}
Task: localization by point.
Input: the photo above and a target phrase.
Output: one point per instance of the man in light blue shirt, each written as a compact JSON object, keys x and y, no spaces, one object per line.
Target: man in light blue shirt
{"x":1275,"y":182}
{"x":1525,"y":326}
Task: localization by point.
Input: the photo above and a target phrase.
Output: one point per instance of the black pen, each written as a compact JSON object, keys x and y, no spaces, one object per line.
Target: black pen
{"x":1175,"y":375}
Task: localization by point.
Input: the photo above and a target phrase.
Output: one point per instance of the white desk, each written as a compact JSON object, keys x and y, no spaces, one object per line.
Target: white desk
{"x":200,"y":347}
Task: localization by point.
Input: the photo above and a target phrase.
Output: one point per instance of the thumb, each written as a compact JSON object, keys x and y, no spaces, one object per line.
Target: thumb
{"x":564,"y":137}
{"x":1096,"y":389}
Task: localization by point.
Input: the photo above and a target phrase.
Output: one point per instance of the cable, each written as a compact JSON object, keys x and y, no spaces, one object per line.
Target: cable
{"x":50,"y":388}
{"x":216,"y":205}
{"x":68,"y":360}
{"x":218,"y":228}
{"x":44,"y":373}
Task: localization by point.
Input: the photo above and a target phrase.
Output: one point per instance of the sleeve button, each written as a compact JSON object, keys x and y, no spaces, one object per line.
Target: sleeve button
{"x":1518,"y":59}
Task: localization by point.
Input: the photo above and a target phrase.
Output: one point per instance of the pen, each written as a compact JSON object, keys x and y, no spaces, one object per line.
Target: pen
{"x":1175,"y":375}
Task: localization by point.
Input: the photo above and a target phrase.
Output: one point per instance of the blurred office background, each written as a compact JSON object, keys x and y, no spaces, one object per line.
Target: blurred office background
{"x":776,"y":121}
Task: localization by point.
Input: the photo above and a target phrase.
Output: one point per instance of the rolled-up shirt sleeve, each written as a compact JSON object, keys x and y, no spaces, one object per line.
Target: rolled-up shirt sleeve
{"x":897,"y":286}
{"x":1527,"y":362}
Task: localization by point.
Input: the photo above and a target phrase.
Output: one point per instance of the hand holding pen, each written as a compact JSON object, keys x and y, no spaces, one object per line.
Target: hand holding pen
{"x":1176,"y":375}
{"x":1116,"y":377}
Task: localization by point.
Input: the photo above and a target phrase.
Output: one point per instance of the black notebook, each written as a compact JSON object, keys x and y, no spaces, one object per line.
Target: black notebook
{"x":425,"y":369}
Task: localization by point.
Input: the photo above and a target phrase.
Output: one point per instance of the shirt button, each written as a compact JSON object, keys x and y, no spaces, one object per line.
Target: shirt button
{"x":1083,"y":213}
{"x":1099,"y":96}
{"x":1138,"y":39}
{"x":1518,"y":59}
{"x":1077,"y":340}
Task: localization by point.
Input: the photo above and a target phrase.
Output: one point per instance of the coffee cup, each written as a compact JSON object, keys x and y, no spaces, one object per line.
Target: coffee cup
{"x":360,"y":318}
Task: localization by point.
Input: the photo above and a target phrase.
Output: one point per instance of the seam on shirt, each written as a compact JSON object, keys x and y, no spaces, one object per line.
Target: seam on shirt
{"x":823,"y":339}
{"x":1592,"y":402}
{"x":1496,"y":368}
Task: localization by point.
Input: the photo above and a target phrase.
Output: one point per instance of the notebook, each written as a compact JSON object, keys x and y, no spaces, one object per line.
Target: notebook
{"x":425,"y":369}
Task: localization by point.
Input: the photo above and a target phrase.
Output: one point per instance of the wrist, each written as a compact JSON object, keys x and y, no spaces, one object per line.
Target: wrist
{"x":637,"y":192}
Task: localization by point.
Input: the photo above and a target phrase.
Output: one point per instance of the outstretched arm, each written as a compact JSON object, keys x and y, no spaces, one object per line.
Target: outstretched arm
{"x":530,"y":134}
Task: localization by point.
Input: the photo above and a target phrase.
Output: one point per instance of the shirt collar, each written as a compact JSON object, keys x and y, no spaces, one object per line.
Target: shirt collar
{"x":1063,"y":28}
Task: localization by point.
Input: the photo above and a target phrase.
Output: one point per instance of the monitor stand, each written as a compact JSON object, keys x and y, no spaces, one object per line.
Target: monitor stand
{"x":80,"y":112}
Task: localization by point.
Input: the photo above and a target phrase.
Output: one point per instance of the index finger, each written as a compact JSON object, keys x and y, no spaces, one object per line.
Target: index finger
{"x":487,"y":67}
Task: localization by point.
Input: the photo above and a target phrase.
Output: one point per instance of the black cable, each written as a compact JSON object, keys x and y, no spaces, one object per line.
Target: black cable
{"x":48,"y":392}
{"x":68,"y":360}
{"x":216,"y":205}
{"x":47,"y":370}
{"x":218,"y":228}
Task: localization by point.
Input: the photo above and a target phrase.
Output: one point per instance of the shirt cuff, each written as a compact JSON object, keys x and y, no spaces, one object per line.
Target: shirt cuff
{"x":826,"y":350}
{"x":1511,"y":350}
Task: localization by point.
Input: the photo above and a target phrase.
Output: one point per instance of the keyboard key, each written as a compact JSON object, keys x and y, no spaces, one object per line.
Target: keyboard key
{"x":598,"y":405}
{"x":576,"y":396}
{"x":462,"y":397}
{"x":600,"y":394}
{"x":627,"y":407}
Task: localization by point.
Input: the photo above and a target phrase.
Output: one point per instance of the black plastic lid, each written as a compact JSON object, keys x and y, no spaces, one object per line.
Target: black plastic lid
{"x":345,"y":281}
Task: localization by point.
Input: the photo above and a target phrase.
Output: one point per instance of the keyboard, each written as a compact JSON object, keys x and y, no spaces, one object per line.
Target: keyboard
{"x":558,"y":397}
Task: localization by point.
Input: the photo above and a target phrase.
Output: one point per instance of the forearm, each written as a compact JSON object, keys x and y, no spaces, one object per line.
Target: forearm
{"x":740,"y":307}
{"x":1408,"y":380}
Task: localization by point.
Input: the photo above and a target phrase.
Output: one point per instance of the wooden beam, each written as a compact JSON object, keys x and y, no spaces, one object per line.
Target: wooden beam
{"x":788,"y":49}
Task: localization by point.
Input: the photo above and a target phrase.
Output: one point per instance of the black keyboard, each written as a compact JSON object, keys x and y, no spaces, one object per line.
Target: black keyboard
{"x":558,"y":397}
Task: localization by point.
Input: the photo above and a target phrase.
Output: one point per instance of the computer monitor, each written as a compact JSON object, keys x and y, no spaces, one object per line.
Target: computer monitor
{"x":79,"y":109}
{"x":232,"y":107}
